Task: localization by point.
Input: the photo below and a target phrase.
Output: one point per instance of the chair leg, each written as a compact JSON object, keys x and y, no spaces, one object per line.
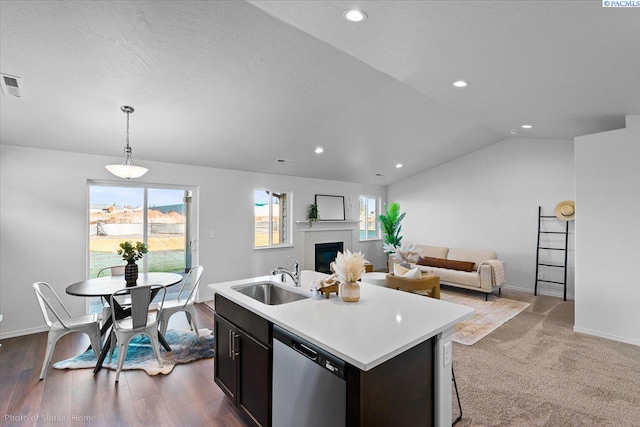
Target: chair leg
{"x":455,"y":385}
{"x":122,"y":354}
{"x":51,"y":343}
{"x":155,"y":345}
{"x":106,"y":313}
{"x":191,"y":316}
{"x":96,"y":342}
{"x":112,"y":345}
{"x":164,"y":321}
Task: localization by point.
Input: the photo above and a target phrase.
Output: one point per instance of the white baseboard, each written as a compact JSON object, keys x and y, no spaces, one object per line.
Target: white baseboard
{"x":205,"y":294}
{"x":607,"y":336}
{"x":22,"y":332}
{"x":548,"y":293}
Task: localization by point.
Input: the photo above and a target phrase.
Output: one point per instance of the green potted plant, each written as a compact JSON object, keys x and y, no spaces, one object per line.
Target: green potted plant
{"x":390,"y":222}
{"x":131,"y":253}
{"x":313,"y":214}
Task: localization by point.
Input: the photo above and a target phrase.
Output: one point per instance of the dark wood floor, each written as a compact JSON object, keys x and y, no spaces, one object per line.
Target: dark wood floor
{"x":186,"y":397}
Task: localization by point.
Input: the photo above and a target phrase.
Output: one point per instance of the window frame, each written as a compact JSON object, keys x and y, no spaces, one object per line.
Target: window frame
{"x":285,"y":224}
{"x":378,"y":201}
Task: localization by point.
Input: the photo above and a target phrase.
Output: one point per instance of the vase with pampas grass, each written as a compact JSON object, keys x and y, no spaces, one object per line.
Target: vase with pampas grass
{"x":349,"y":267}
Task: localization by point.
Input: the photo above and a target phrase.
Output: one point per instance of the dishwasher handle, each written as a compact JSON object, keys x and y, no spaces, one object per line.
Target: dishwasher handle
{"x":305,"y":351}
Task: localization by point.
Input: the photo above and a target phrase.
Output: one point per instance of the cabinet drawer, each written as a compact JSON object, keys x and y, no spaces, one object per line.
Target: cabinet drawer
{"x":244,"y":319}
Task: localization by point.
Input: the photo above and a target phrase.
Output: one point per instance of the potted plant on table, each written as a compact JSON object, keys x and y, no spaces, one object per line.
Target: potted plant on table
{"x":131,"y":253}
{"x":313,"y":214}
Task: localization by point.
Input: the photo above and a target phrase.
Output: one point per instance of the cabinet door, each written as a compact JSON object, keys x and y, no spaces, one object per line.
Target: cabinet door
{"x":225,"y":366}
{"x":254,"y":394}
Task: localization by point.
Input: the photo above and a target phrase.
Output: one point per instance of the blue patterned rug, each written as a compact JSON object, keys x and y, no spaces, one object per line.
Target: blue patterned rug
{"x":185,"y":346}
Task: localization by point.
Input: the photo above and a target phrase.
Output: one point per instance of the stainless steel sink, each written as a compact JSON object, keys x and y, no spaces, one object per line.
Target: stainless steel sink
{"x":268,"y":293}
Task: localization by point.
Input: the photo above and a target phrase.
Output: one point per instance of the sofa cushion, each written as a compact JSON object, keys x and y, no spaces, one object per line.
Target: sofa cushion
{"x":454,"y":277}
{"x":429,"y":251}
{"x":446,"y":263}
{"x":470,"y":255}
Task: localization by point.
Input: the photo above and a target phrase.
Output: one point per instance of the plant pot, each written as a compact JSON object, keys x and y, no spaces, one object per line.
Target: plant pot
{"x":131,"y":273}
{"x":350,"y":292}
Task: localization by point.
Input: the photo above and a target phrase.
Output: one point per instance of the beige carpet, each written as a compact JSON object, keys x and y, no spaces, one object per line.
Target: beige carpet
{"x":535,"y":371}
{"x":489,"y":315}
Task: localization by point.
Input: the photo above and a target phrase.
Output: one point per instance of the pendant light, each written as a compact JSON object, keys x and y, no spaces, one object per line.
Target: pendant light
{"x":127,"y":169}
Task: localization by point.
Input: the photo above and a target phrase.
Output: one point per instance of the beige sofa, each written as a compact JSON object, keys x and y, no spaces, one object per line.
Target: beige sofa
{"x":487,"y":272}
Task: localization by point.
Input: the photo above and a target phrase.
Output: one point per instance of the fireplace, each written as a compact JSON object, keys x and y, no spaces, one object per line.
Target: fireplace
{"x":325,"y":254}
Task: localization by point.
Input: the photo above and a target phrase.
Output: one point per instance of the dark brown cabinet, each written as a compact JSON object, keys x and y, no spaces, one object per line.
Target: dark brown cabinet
{"x":243,"y":357}
{"x":399,"y":391}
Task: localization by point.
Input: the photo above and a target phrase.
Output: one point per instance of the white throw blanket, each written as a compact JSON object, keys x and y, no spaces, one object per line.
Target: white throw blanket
{"x":497,"y":271}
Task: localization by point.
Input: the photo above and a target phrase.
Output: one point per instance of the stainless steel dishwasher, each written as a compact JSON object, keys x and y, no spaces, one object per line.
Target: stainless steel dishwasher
{"x":309,"y":386}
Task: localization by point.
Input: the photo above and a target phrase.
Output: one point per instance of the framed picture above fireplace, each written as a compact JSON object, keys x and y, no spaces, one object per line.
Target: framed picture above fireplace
{"x":330,"y":208}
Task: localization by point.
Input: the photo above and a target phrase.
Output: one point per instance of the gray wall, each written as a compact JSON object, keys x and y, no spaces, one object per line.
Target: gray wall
{"x":489,"y":200}
{"x":43,"y":187}
{"x":608,"y":233}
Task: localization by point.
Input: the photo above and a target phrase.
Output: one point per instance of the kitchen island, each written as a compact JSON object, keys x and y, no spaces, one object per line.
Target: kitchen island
{"x":370,"y":333}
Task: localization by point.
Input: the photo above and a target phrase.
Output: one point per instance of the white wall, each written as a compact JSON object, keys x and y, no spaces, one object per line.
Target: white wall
{"x":43,"y":187}
{"x":608,"y":233}
{"x":489,"y":200}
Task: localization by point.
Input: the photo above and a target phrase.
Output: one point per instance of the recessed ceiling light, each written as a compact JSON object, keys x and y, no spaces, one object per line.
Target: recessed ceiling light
{"x":319,"y":150}
{"x":399,"y":165}
{"x":460,"y":83}
{"x":526,"y":126}
{"x":354,"y":15}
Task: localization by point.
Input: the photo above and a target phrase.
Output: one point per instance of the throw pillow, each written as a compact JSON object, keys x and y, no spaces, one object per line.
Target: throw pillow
{"x":414,"y":273}
{"x":446,"y":263}
{"x":400,"y":271}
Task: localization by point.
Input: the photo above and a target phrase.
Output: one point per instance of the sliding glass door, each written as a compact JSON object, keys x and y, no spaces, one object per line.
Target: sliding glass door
{"x":159,"y":216}
{"x":167,"y":230}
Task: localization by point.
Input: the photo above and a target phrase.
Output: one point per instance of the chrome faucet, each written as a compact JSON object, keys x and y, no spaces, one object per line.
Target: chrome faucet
{"x":295,"y":274}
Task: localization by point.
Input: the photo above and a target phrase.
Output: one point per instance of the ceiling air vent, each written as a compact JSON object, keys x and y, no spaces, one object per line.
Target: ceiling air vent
{"x":10,"y":85}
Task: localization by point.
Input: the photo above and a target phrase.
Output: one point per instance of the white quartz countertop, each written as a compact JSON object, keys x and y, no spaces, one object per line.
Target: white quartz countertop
{"x":382,"y":324}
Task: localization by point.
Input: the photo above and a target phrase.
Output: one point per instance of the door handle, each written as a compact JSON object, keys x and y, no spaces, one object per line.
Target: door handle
{"x":230,"y":344}
{"x":234,"y":353}
{"x":305,"y":351}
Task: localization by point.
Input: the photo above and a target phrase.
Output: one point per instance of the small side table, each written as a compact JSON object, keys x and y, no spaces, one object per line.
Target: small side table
{"x":430,"y":284}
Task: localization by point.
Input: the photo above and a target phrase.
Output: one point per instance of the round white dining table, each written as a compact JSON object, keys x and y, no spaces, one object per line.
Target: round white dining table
{"x":107,"y":285}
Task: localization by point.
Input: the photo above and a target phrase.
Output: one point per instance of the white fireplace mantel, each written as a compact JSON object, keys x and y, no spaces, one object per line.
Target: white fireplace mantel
{"x":304,"y":227}
{"x":324,"y":232}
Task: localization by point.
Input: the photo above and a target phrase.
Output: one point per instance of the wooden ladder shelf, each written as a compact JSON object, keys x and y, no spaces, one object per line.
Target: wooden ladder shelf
{"x":545,"y":252}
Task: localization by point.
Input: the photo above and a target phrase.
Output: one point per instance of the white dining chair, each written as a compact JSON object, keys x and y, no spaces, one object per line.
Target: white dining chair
{"x":184,"y":301}
{"x":141,"y":321}
{"x":62,"y":323}
{"x":114,"y":270}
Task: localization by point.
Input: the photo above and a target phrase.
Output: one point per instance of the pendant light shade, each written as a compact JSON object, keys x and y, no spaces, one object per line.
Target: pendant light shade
{"x":127,"y":169}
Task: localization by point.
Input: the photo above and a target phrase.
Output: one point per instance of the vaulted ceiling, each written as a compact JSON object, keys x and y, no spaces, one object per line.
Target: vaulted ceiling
{"x":238,"y":85}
